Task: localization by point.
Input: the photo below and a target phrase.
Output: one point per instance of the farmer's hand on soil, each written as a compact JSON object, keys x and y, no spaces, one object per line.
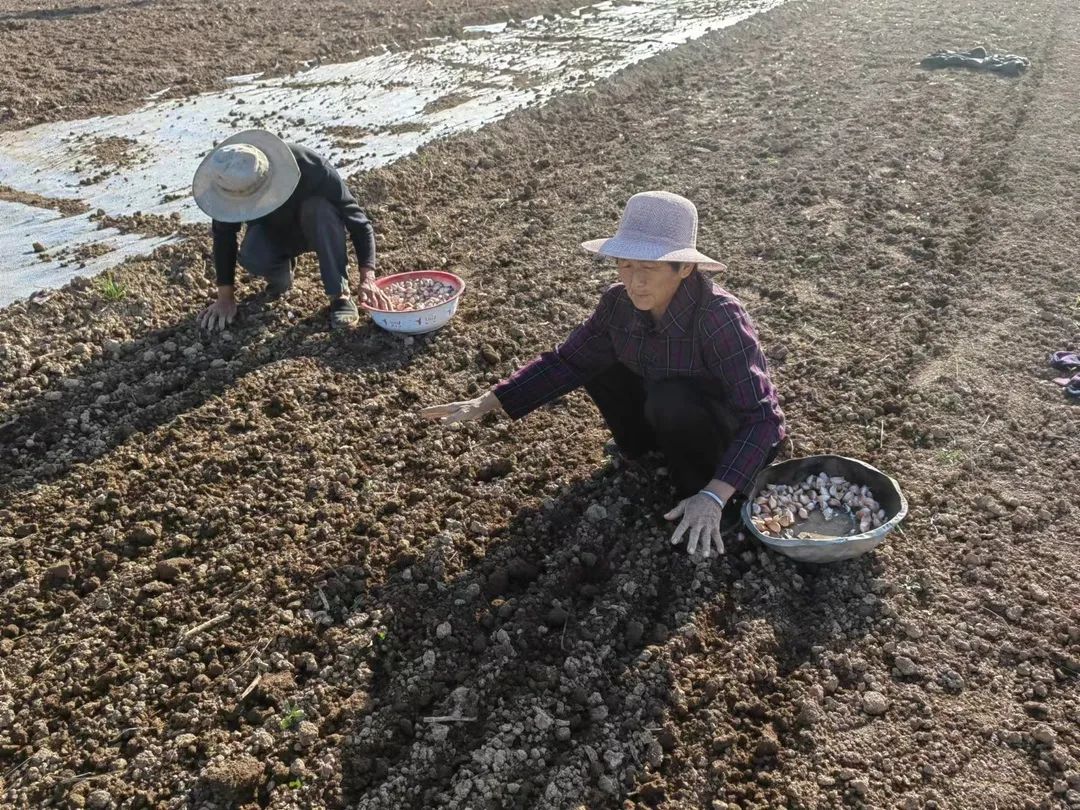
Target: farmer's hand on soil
{"x":463,"y":411}
{"x":220,"y":313}
{"x":700,"y":520}
{"x":371,"y":295}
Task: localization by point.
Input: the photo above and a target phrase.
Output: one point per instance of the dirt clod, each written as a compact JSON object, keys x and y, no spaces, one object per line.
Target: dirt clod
{"x":1045,"y":735}
{"x":233,"y":780}
{"x":169,"y":570}
{"x":145,"y":534}
{"x":874,"y":703}
{"x":58,"y":575}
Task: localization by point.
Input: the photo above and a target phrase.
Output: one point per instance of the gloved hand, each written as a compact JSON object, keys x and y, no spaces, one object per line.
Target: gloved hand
{"x":701,"y":516}
{"x":463,"y":411}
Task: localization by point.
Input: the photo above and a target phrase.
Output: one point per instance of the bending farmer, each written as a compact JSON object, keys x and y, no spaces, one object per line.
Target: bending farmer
{"x":293,"y":202}
{"x":673,"y":363}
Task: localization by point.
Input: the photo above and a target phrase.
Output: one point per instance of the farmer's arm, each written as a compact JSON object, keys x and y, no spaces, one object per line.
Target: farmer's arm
{"x":734,"y":356}
{"x":225,"y":234}
{"x":222,"y":312}
{"x":587,"y":351}
{"x":333,"y":188}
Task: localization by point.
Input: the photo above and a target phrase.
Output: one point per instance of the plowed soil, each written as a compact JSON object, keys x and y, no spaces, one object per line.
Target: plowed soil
{"x":71,"y":60}
{"x":239,"y":571}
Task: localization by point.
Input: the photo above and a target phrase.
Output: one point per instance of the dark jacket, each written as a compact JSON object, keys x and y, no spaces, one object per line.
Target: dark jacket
{"x":317,"y":179}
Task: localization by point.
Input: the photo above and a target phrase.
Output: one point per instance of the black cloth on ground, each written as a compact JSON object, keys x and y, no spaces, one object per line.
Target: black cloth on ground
{"x":1008,"y":64}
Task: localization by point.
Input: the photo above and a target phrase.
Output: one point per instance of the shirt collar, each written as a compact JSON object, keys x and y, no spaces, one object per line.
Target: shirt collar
{"x":677,"y":319}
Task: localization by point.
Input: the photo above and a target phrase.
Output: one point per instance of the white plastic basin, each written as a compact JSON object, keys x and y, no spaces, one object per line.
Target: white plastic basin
{"x":418,"y":321}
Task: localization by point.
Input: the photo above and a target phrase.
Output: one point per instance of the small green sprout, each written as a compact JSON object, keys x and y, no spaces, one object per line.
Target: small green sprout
{"x":952,"y":456}
{"x":110,"y":288}
{"x":293,"y":715}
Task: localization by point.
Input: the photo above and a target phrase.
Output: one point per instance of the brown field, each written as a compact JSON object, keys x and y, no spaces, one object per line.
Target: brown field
{"x":223,"y":560}
{"x":65,"y":59}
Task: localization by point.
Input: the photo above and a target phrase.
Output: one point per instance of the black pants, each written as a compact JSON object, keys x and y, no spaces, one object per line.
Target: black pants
{"x":676,"y":416}
{"x":321,"y":229}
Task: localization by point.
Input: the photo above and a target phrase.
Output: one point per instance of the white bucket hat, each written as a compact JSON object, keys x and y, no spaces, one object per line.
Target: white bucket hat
{"x":656,"y":226}
{"x":246,"y":177}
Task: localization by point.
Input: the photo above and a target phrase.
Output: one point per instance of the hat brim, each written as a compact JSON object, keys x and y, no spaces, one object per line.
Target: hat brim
{"x":225,"y":207}
{"x":620,"y":247}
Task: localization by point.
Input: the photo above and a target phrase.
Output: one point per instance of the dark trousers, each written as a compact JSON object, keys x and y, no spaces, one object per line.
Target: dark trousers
{"x":676,"y":416}
{"x":270,"y":254}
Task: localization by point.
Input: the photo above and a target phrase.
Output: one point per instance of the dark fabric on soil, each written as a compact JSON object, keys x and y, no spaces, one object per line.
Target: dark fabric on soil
{"x":1007,"y":64}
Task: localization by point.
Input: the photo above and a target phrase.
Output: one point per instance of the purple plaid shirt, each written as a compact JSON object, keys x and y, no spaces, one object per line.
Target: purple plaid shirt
{"x":705,"y":333}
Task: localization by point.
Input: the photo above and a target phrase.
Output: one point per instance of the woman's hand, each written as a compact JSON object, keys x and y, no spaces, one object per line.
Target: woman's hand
{"x":463,"y":411}
{"x":701,"y":516}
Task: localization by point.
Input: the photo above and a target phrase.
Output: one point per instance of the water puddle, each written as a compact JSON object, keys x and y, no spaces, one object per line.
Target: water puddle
{"x":361,"y":114}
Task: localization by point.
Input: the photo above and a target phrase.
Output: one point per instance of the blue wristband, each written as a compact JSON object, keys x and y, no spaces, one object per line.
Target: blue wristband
{"x":714,"y":496}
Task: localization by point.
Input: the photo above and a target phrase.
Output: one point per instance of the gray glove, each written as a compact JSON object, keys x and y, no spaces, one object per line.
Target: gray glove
{"x":700,"y":515}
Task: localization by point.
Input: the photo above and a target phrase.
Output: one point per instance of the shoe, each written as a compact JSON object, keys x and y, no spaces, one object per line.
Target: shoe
{"x":1065,"y":361}
{"x":276,"y":291}
{"x":343,"y":313}
{"x":1073,"y":388}
{"x":278,"y":285}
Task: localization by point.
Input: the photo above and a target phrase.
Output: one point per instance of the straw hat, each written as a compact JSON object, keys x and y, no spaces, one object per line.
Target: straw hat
{"x":246,"y":177}
{"x":656,"y":226}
